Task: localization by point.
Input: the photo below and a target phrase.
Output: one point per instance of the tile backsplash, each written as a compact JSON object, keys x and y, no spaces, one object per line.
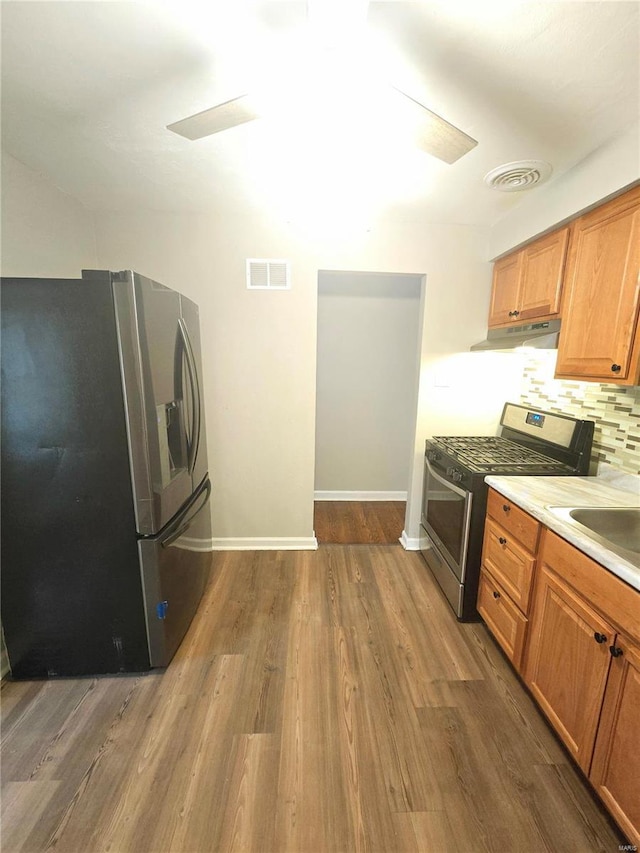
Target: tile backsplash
{"x":614,"y":408}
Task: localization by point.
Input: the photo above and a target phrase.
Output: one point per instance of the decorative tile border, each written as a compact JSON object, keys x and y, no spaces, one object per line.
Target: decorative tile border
{"x":614,"y":408}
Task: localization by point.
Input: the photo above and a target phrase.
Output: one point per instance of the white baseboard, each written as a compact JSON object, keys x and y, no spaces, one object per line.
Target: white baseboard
{"x":414,"y":543}
{"x":410,"y":543}
{"x":360,"y":496}
{"x":266,"y":543}
{"x":196,"y":544}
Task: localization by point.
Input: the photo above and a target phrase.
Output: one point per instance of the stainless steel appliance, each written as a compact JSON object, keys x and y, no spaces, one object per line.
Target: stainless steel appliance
{"x":105,"y":484}
{"x":454,"y":499}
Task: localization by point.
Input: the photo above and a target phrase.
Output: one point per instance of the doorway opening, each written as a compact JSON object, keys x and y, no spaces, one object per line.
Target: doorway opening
{"x":368,"y":336}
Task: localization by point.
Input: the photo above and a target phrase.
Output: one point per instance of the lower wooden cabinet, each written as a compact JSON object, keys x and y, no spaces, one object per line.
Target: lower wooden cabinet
{"x":571,"y":628}
{"x":615,"y":770}
{"x":503,"y":618}
{"x":508,"y":559}
{"x":568,"y":663}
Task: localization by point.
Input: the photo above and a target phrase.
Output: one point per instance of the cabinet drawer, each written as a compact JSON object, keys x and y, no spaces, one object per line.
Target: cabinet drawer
{"x":503,"y":618}
{"x":514,"y":520}
{"x":509,"y":563}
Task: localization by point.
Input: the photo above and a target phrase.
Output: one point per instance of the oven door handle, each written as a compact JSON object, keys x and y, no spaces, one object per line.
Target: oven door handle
{"x":462,"y":492}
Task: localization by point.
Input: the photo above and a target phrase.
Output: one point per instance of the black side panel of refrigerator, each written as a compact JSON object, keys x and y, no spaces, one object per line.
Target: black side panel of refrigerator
{"x":72,"y":599}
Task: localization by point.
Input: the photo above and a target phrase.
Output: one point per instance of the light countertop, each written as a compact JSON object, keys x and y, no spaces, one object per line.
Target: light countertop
{"x":536,"y":494}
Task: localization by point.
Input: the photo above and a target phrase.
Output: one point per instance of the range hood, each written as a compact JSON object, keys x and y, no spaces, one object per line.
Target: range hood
{"x":538,"y":335}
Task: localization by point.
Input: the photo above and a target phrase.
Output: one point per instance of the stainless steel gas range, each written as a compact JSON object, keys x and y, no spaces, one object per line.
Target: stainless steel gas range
{"x":454,"y":499}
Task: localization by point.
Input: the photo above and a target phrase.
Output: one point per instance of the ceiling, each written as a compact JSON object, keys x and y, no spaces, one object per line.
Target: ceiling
{"x":89,"y":87}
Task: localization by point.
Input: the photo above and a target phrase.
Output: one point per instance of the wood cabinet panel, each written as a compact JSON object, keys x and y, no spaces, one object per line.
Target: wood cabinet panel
{"x":615,"y":771}
{"x":509,"y":563}
{"x":542,"y":272}
{"x":604,"y":591}
{"x":568,"y":662}
{"x":507,"y":273}
{"x":503,"y":618}
{"x":600,"y":339}
{"x":527,"y":284}
{"x":516,"y":521}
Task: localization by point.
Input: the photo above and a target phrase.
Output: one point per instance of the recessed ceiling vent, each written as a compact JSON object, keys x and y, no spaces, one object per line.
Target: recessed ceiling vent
{"x":265,"y":274}
{"x":517,"y":176}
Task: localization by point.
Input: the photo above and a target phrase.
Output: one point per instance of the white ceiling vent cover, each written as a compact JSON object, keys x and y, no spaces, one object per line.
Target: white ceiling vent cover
{"x":265,"y":274}
{"x":517,"y":176}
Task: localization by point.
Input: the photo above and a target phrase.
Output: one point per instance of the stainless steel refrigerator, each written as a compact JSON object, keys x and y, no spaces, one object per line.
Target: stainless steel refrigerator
{"x":105,"y":486}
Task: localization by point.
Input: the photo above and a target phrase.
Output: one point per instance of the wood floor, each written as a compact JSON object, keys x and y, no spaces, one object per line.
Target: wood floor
{"x":322,"y":701}
{"x":359,"y":522}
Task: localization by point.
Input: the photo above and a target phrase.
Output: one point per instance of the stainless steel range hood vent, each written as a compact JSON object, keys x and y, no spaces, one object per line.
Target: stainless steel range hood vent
{"x":538,"y":335}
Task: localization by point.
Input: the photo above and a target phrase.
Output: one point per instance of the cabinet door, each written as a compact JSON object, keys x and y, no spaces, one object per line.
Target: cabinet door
{"x":615,"y":772}
{"x":506,"y":287}
{"x":542,"y":271}
{"x":600,"y":338}
{"x":567,"y":662}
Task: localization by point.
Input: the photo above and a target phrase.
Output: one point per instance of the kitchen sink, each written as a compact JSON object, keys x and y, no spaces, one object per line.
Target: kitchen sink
{"x":617,"y":528}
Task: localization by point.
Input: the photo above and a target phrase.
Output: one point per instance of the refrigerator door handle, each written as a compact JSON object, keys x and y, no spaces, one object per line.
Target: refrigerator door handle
{"x":194,"y":440}
{"x":183,"y":521}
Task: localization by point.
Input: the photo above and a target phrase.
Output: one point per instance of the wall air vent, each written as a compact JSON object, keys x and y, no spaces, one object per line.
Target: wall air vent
{"x":264,"y":274}
{"x":517,"y":176}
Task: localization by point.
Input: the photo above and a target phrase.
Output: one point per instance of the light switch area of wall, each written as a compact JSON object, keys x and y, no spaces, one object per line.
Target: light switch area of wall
{"x":441,"y":380}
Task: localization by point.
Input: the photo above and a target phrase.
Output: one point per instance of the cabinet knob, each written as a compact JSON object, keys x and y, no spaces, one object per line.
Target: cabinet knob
{"x":616,"y":651}
{"x":502,"y":540}
{"x":497,"y":595}
{"x":506,"y":507}
{"x":616,"y":368}
{"x":600,"y":638}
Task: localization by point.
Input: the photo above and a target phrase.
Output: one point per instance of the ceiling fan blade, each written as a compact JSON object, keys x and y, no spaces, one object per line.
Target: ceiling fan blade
{"x":437,"y":136}
{"x":221,"y":117}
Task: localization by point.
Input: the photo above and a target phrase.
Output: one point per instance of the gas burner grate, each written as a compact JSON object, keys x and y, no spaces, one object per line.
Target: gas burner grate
{"x":494,"y":453}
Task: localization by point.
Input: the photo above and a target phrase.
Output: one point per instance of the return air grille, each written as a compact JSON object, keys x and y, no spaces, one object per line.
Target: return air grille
{"x":264,"y":274}
{"x":521,"y":175}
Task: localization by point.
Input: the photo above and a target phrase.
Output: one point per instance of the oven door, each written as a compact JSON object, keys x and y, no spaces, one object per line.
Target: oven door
{"x":446,"y":515}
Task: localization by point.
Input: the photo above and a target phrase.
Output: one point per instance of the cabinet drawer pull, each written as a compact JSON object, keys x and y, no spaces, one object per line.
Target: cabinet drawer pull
{"x":497,"y":595}
{"x":502,"y":540}
{"x":506,"y":507}
{"x":600,"y":638}
{"x":616,"y":651}
{"x":616,"y":368}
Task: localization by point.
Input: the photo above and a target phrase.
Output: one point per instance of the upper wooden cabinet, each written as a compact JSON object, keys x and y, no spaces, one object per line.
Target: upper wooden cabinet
{"x":527,"y":285}
{"x":600,"y":336}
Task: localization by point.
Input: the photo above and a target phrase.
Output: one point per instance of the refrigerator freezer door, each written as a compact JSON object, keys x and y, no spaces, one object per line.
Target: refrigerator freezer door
{"x":152,"y":353}
{"x":174,"y":575}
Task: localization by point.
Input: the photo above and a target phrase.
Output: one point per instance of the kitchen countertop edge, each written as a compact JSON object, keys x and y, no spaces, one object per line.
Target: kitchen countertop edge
{"x":535,"y":494}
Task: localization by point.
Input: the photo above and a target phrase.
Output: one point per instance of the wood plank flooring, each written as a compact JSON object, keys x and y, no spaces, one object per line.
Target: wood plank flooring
{"x":321,"y":701}
{"x":359,"y":522}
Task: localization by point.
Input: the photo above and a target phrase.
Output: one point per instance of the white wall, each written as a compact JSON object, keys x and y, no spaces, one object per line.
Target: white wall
{"x":44,"y":231}
{"x":606,"y":171}
{"x":259,"y":348}
{"x":366,"y":380}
